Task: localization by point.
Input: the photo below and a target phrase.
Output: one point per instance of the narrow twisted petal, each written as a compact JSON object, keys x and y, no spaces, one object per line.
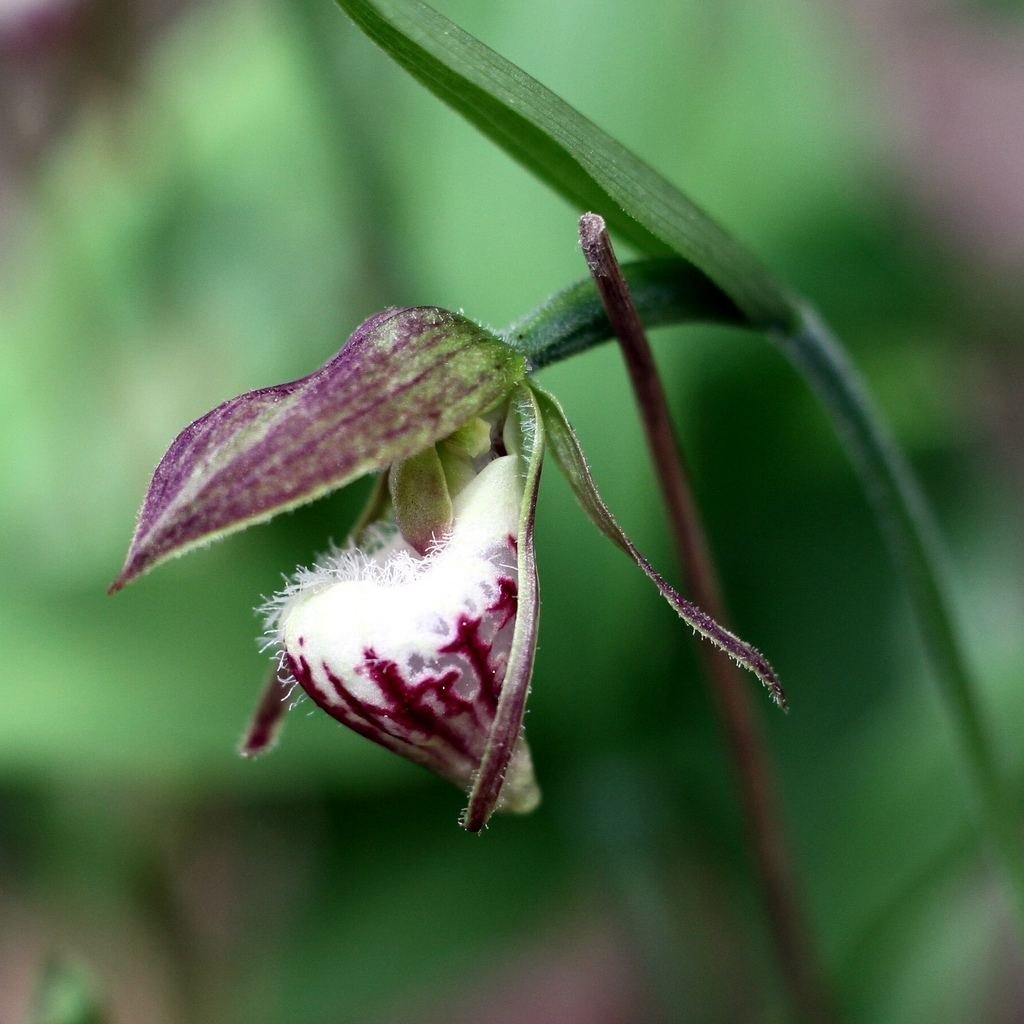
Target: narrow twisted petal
{"x":268,"y":718}
{"x":404,"y":380}
{"x":496,"y":774}
{"x":569,"y":455}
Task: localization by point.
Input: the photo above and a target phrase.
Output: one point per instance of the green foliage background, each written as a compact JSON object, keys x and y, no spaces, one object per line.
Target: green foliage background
{"x":269,"y":181}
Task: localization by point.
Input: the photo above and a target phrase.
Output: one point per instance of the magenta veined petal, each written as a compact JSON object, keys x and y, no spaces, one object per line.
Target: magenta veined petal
{"x":416,"y":652}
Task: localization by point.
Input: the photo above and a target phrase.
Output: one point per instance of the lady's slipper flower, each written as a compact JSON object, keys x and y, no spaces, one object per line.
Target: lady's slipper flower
{"x":420,"y":633}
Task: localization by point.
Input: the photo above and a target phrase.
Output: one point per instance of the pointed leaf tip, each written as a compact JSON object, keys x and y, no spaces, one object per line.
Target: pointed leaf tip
{"x":569,"y":455}
{"x":405,"y":379}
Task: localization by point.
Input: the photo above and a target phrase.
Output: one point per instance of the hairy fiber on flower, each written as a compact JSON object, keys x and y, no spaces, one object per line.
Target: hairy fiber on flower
{"x":420,"y":633}
{"x":411,"y":650}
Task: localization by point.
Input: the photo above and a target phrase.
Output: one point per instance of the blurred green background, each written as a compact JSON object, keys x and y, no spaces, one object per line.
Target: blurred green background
{"x":199,"y":199}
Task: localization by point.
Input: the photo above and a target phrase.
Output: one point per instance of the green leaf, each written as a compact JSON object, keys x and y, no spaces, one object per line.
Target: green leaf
{"x":906,"y":521}
{"x":889,"y":484}
{"x":566,"y":150}
{"x":592,"y":170}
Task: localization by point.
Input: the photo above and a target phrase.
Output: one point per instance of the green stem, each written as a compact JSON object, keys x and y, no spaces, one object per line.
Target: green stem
{"x":665,"y":291}
{"x":669,"y":291}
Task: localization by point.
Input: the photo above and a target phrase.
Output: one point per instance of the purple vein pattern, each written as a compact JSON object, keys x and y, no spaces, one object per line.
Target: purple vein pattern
{"x":413,"y":651}
{"x":405,"y":379}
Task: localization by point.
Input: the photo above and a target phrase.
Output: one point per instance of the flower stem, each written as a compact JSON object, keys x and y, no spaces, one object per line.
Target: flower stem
{"x":672,"y":291}
{"x":754,"y":770}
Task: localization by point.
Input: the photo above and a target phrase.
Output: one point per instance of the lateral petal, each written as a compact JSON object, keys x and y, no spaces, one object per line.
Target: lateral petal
{"x":565,"y":447}
{"x":506,"y":730}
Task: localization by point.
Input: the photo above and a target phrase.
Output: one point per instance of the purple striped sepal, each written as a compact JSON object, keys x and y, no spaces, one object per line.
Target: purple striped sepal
{"x":404,"y":380}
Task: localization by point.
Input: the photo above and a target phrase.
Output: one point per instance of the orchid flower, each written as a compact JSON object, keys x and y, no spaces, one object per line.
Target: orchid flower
{"x":420,"y":632}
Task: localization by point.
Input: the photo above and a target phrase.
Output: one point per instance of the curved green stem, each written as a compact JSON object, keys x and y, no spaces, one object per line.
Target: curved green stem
{"x":668,"y":291}
{"x":907,"y":523}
